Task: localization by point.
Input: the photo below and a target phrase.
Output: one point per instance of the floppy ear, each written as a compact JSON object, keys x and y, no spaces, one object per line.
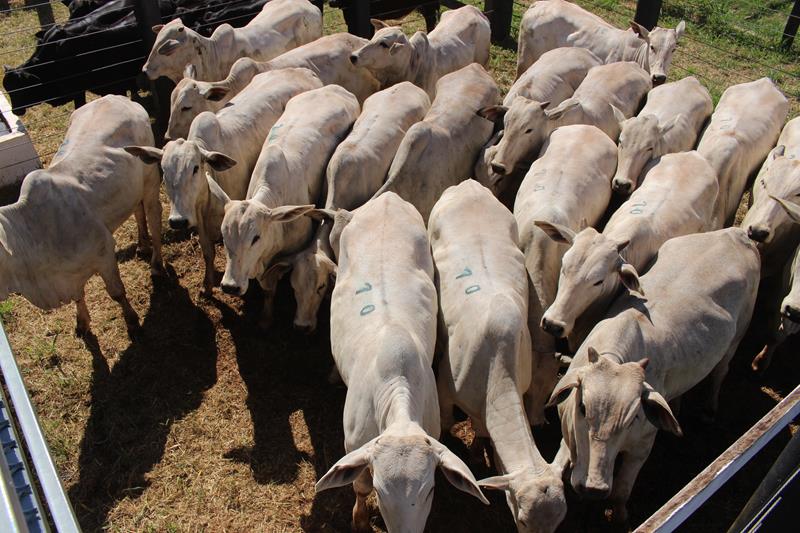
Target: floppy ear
{"x":278,"y":269}
{"x":557,"y":232}
{"x":190,"y":71}
{"x":680,"y":29}
{"x":215,"y":93}
{"x":378,"y":24}
{"x":456,"y":472}
{"x":217,"y":160}
{"x":217,"y":191}
{"x":169,"y":47}
{"x":561,"y":109}
{"x":778,"y":151}
{"x":671,"y":124}
{"x":630,"y":278}
{"x":157,"y":28}
{"x":791,"y":208}
{"x":658,"y":412}
{"x":347,"y":469}
{"x":640,"y":30}
{"x":333,"y":268}
{"x":622,"y":245}
{"x":564,"y":388}
{"x":493,"y":113}
{"x":287,"y":213}
{"x":148,"y":154}
{"x":321,"y":214}
{"x":496,"y":482}
{"x":619,"y":116}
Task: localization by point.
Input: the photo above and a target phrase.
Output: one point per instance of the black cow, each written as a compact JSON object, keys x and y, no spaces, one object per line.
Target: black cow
{"x":101,"y":52}
{"x":388,"y":9}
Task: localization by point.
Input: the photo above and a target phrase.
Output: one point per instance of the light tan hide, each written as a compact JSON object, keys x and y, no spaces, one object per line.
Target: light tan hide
{"x":669,"y":122}
{"x":461,"y":37}
{"x":286,"y":182}
{"x":555,"y":23}
{"x":355,"y":172}
{"x":743,"y":129}
{"x":613,"y":399}
{"x":280,"y":26}
{"x":383,"y":330}
{"x":486,"y":365}
{"x":60,"y":231}
{"x":676,"y":198}
{"x":441,"y":150}
{"x":569,"y":185}
{"x":327,"y":57}
{"x":220,"y":153}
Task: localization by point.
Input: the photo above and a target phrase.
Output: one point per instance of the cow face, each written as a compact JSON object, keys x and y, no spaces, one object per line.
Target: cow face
{"x":590,"y":270}
{"x":661,"y":44}
{"x":639,"y":142}
{"x":312,"y":273}
{"x":249,"y":243}
{"x":387,"y":49}
{"x":186,"y":102}
{"x":402,"y":468}
{"x":185,"y":165}
{"x":607,"y":409}
{"x":24,"y":88}
{"x":171,"y":52}
{"x":769,"y":219}
{"x":536,"y":498}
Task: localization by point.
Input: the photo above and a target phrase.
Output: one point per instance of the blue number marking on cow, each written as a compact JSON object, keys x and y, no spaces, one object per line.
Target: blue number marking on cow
{"x":367,"y":309}
{"x":637,"y":208}
{"x":465,"y":273}
{"x":472,"y":288}
{"x":273,"y":133}
{"x":366,"y":288}
{"x":538,"y":187}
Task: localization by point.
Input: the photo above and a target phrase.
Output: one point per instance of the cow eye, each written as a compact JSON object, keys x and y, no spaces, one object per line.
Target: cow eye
{"x":384,"y":45}
{"x":255,"y":240}
{"x":529,"y":130}
{"x":196,"y":168}
{"x":652,"y":48}
{"x":186,"y":108}
{"x":598,"y":283}
{"x":320,"y":289}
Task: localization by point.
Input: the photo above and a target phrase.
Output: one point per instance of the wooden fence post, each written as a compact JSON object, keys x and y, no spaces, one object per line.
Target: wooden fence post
{"x":43,"y":10}
{"x":790,"y":30}
{"x":500,"y":18}
{"x":4,"y":6}
{"x":148,"y":14}
{"x":647,"y":12}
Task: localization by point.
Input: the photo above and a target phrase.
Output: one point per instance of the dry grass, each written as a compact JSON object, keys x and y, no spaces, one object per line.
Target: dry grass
{"x":205,"y":423}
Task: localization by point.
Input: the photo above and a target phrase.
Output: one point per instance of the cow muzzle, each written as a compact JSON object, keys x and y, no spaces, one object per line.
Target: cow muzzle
{"x":305,"y":329}
{"x":553,"y":327}
{"x":179,"y":223}
{"x":498,"y":167}
{"x":791,"y":312}
{"x":658,"y":79}
{"x":758,"y":233}
{"x":231,"y":288}
{"x":621,"y":187}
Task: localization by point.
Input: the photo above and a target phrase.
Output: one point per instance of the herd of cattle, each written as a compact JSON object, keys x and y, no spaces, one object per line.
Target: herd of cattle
{"x":345,"y":160}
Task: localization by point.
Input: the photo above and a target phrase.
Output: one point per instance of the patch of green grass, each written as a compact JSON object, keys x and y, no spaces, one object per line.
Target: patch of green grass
{"x":7,"y":311}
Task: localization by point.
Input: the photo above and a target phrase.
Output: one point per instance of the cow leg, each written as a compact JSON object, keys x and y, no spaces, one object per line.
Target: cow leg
{"x":109,"y":271}
{"x":269,"y":285}
{"x":142,"y":237}
{"x":152,"y":209}
{"x":83,"y":321}
{"x":431,"y":14}
{"x":362,"y":486}
{"x":545,"y":376}
{"x":207,"y":247}
{"x":631,"y":463}
{"x":79,"y":100}
{"x":446,"y":417}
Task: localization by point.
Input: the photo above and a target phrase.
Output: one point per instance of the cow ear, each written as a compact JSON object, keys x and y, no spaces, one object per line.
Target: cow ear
{"x":190,"y":71}
{"x":217,"y":191}
{"x":680,"y":29}
{"x":217,"y":160}
{"x":629,"y":277}
{"x":215,"y":93}
{"x":493,"y":113}
{"x":640,"y":30}
{"x":592,"y":355}
{"x":657,"y":411}
{"x":287,"y":213}
{"x":347,"y":469}
{"x":564,"y":388}
{"x":278,"y":269}
{"x":557,"y":232}
{"x":778,"y":151}
{"x":148,"y":154}
{"x":619,"y":116}
{"x":378,"y":24}
{"x":157,"y":28}
{"x":496,"y":482}
{"x":671,"y":124}
{"x":544,"y":104}
{"x":561,"y":109}
{"x":396,"y":47}
{"x":791,"y":208}
{"x":456,"y":472}
{"x":621,"y":245}
{"x":321,"y":214}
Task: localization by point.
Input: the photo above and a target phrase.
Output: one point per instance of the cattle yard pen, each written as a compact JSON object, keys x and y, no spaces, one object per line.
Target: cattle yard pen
{"x":206,"y":423}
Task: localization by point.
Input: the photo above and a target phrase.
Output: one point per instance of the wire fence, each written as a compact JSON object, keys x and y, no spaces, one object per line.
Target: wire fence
{"x":716,"y":56}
